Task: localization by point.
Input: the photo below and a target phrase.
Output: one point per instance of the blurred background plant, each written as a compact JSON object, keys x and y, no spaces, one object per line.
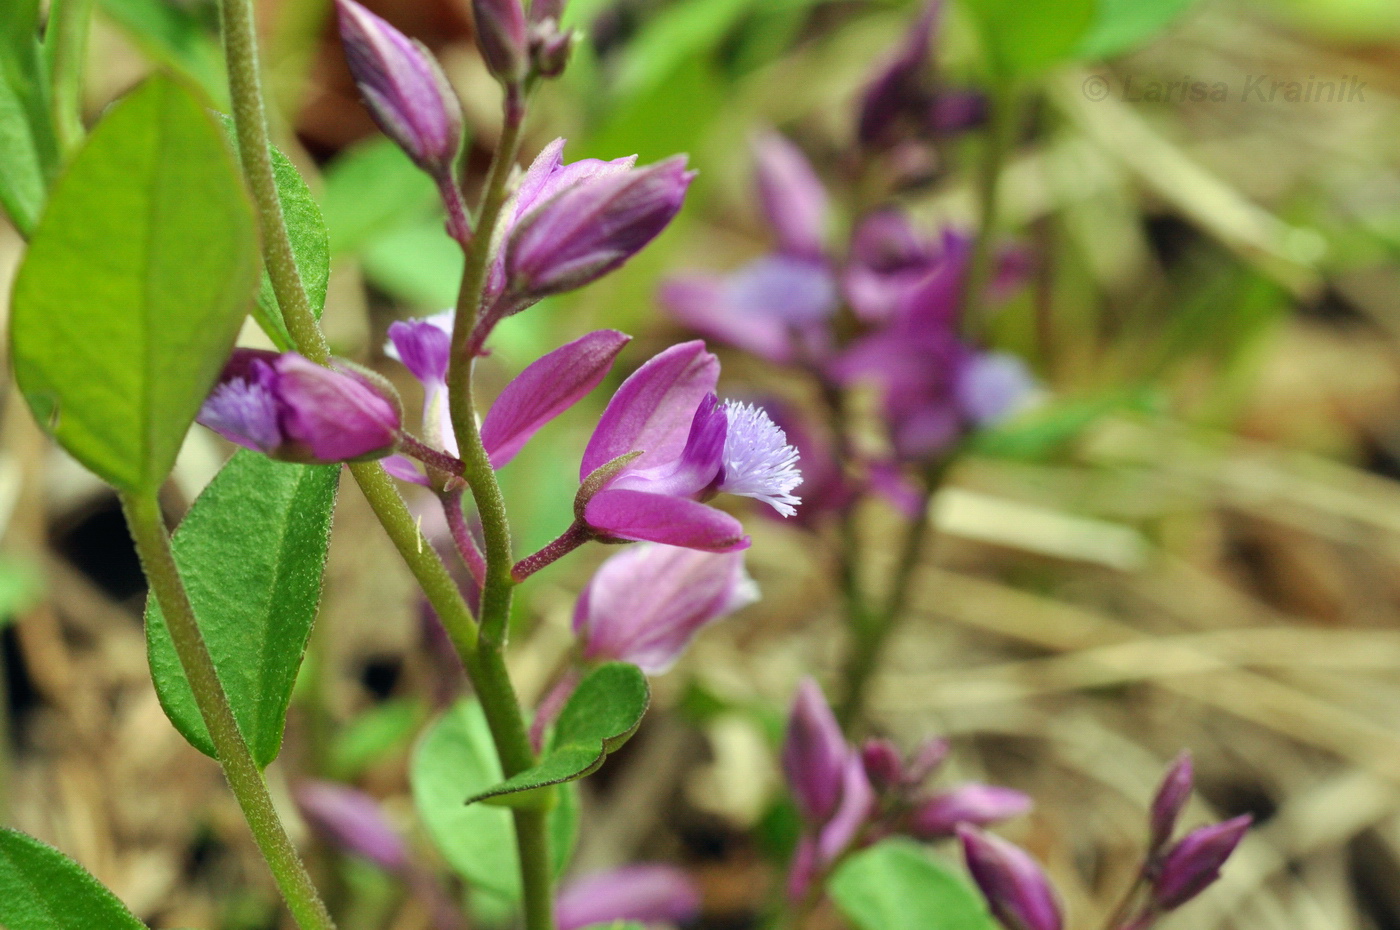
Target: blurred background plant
{"x":1190,"y":540}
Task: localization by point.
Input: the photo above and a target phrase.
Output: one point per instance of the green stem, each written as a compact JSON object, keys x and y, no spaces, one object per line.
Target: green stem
{"x":69,"y":20}
{"x":1001,"y":135}
{"x":244,"y":777}
{"x":255,"y":151}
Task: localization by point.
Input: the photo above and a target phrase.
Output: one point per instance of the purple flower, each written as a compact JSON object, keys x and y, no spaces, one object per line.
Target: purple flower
{"x":1169,"y":802}
{"x":1193,"y":864}
{"x":814,"y":754}
{"x":352,"y":821}
{"x":645,"y":604}
{"x":977,"y":805}
{"x":646,"y":894}
{"x":792,"y":197}
{"x":776,"y":307}
{"x":901,"y":84}
{"x":684,"y":447}
{"x":500,"y":34}
{"x":295,"y":410}
{"x":403,"y":87}
{"x":573,"y":224}
{"x":1016,"y":889}
{"x":546,"y":388}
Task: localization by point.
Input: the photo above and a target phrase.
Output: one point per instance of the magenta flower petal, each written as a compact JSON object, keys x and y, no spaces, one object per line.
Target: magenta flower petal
{"x":652,"y":411}
{"x":700,"y":463}
{"x":792,"y":196}
{"x":1170,"y":800}
{"x":642,"y":893}
{"x":545,"y":389}
{"x":978,"y":805}
{"x":405,"y":469}
{"x":645,"y":604}
{"x":852,"y":813}
{"x":675,"y":521}
{"x":1194,"y":864}
{"x":423,"y":345}
{"x":814,"y":754}
{"x":403,"y":87}
{"x":1016,"y":889}
{"x":352,"y":821}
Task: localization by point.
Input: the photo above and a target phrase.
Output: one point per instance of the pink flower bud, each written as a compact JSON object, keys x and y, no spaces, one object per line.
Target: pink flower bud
{"x":884,"y":766}
{"x":295,"y":410}
{"x":500,"y":34}
{"x":1193,"y":865}
{"x":403,"y":87}
{"x":814,"y":754}
{"x":1171,"y":798}
{"x":1016,"y":889}
{"x":978,"y":805}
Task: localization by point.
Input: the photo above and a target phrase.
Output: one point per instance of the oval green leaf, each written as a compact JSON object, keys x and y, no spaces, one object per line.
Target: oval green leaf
{"x":252,"y":553}
{"x":896,"y":886}
{"x":602,"y":714}
{"x":136,"y":281}
{"x":42,"y":889}
{"x":456,"y":758}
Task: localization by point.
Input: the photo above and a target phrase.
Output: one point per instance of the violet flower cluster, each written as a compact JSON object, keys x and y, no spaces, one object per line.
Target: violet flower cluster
{"x":850,"y":797}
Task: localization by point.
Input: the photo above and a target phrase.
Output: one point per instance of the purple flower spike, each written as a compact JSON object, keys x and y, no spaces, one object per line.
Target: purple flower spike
{"x":295,"y":410}
{"x":1169,"y":802}
{"x":643,"y":893}
{"x":500,"y":34}
{"x":977,"y":805}
{"x":591,"y":228}
{"x":1017,"y":891}
{"x":352,"y":821}
{"x":645,"y":604}
{"x":814,"y":754}
{"x":404,"y":89}
{"x":792,"y":196}
{"x":1193,"y":865}
{"x":545,"y":389}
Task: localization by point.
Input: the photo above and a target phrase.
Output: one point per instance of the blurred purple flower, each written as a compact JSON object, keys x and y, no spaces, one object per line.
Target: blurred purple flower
{"x":646,"y":894}
{"x":993,"y":386}
{"x":295,"y":410}
{"x":888,"y":770}
{"x":1016,"y":889}
{"x":792,"y":196}
{"x":776,"y":307}
{"x":977,"y":805}
{"x":403,"y":88}
{"x":1169,"y":802}
{"x":1194,"y":863}
{"x":814,"y":754}
{"x":646,"y":603}
{"x":686,"y":446}
{"x":352,"y":821}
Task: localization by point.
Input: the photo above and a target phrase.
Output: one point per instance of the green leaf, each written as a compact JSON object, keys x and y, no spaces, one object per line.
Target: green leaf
{"x":896,"y":886}
{"x":134,"y":286}
{"x":601,"y":715}
{"x":1120,"y":25}
{"x":374,"y":735}
{"x":454,"y":759}
{"x":310,"y":247}
{"x":42,"y":889}
{"x":252,"y":551}
{"x":28,"y":150}
{"x":176,"y":34}
{"x":1022,"y":38}
{"x":679,"y":33}
{"x":21,"y":584}
{"x":419,"y":264}
{"x":373,"y":189}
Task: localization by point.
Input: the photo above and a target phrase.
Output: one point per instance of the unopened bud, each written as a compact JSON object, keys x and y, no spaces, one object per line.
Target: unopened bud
{"x":978,"y":805}
{"x":1171,"y":798}
{"x":403,"y":88}
{"x":1016,"y":889}
{"x":500,"y":34}
{"x":883,"y":764}
{"x":1193,"y":865}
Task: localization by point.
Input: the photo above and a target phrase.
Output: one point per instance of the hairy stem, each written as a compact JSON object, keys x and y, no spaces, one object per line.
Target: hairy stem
{"x":255,"y":152}
{"x":576,"y":535}
{"x":244,"y":777}
{"x":462,"y":535}
{"x":69,"y":21}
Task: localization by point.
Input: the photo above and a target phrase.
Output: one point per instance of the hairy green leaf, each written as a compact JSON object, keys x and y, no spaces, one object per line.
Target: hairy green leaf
{"x":42,"y":889}
{"x":601,"y":715}
{"x":134,"y":286}
{"x":252,"y":552}
{"x":896,"y":886}
{"x":454,"y":759}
